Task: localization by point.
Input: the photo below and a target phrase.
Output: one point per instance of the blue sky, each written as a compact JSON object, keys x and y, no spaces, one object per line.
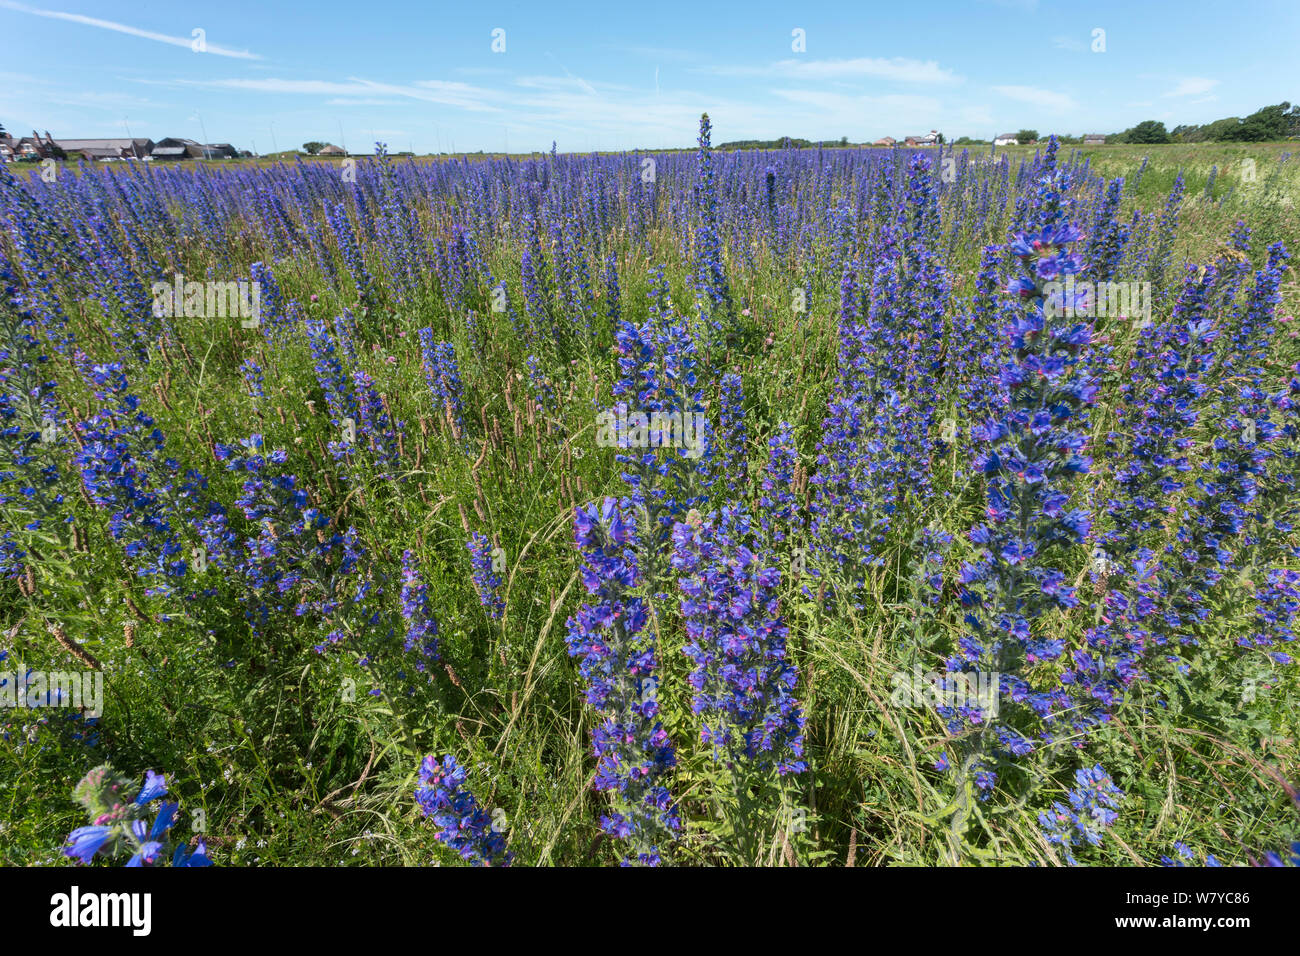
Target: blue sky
{"x":627,"y":73}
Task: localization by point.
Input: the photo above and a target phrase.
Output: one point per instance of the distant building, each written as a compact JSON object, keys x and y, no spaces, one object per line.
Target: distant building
{"x":885,"y":141}
{"x":174,"y":148}
{"x":33,"y":147}
{"x":329,"y":149}
{"x":110,"y":149}
{"x":102,"y":149}
{"x":1094,"y":139}
{"x":167,"y":148}
{"x":1006,"y":139}
{"x":100,"y":154}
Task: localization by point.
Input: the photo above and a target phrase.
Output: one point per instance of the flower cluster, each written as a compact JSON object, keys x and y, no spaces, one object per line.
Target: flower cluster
{"x":1092,"y":808}
{"x":486,"y":581}
{"x":779,"y":509}
{"x":658,"y":373}
{"x":615,"y":647}
{"x":293,"y":558}
{"x":711,"y":288}
{"x":31,"y":435}
{"x":421,"y":626}
{"x":120,"y":825}
{"x":125,"y":471}
{"x":1035,"y":447}
{"x":462,"y":823}
{"x":441,"y":372}
{"x":742,"y":678}
{"x":730,"y":458}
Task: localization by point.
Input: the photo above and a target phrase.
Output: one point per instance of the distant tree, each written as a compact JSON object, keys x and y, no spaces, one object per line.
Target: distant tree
{"x":1219,"y":130}
{"x":967,"y":141}
{"x":1271,"y":122}
{"x":1148,"y":131}
{"x":1026,"y":136}
{"x":313,"y":147}
{"x":844,"y":141}
{"x":785,"y":142}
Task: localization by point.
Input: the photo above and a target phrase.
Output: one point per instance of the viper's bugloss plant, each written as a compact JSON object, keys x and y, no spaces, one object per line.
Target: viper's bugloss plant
{"x":712,"y":291}
{"x":1092,"y":807}
{"x":486,"y":581}
{"x":32,"y":436}
{"x":463,"y":824}
{"x":421,"y":626}
{"x":615,"y":645}
{"x":1034,"y":451}
{"x":120,"y":825}
{"x":779,"y":510}
{"x":743,"y":680}
{"x":820,"y":514}
{"x":659,"y":378}
{"x":730,"y":455}
{"x":125,"y":471}
{"x":294,"y":559}
{"x":443,"y":376}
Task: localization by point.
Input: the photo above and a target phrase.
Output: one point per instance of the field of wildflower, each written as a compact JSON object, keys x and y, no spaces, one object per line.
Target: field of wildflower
{"x":822,"y":507}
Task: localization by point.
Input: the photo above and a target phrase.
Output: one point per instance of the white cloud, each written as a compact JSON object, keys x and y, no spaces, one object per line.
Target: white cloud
{"x":1193,"y":86}
{"x":209,"y":48}
{"x":555,"y":83}
{"x":361,"y":101}
{"x":896,"y":69}
{"x":583,"y":84}
{"x":657,"y":52}
{"x":1073,"y":44}
{"x":430,"y":91}
{"x":1038,"y":97}
{"x":919,"y":106}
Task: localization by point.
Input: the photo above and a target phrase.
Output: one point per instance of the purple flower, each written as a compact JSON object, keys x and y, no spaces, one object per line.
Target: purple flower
{"x":462,"y":823}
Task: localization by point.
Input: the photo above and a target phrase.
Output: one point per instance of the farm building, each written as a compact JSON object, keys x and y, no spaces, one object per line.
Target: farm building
{"x":101,"y":149}
{"x":29,"y":147}
{"x":1094,"y":139}
{"x":885,"y":141}
{"x":177,"y":148}
{"x":1006,"y":139}
{"x":331,"y":150}
{"x":926,"y":139}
